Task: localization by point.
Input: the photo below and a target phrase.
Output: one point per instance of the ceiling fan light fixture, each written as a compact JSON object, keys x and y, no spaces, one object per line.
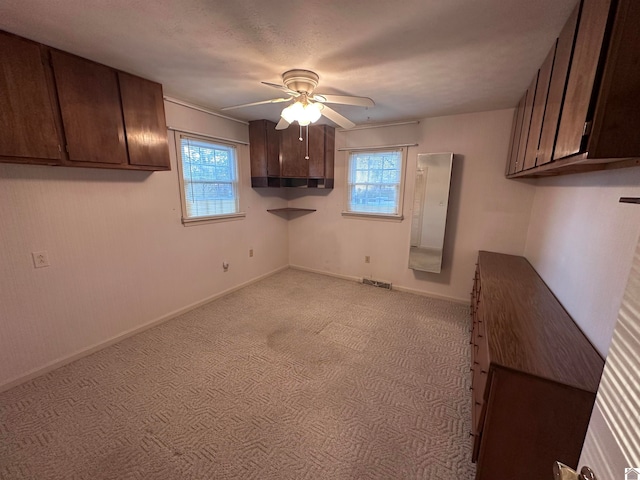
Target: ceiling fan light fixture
{"x":307,"y":106}
{"x":292,"y":112}
{"x":312,"y":111}
{"x":303,"y":114}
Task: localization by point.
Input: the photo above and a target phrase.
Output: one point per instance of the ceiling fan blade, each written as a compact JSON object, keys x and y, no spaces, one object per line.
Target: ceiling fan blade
{"x":344,"y":100}
{"x":335,"y":117}
{"x":281,"y":87}
{"x":273,"y":100}
{"x":282,"y":124}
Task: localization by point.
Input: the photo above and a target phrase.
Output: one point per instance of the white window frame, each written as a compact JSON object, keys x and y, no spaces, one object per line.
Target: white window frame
{"x":374,"y":215}
{"x":186,"y":219}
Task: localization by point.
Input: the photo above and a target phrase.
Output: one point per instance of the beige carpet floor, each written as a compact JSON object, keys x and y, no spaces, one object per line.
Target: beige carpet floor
{"x":299,"y":376}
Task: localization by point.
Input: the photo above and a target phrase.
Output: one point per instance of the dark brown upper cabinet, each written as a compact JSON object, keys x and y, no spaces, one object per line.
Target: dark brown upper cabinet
{"x":537,"y":115}
{"x":61,"y":109}
{"x":263,"y":152}
{"x":592,"y":112}
{"x":91,"y":112}
{"x":616,"y":120}
{"x":582,"y":77}
{"x":322,"y":140}
{"x":293,"y":163}
{"x":530,"y":98}
{"x":563,"y":49}
{"x":144,"y":121}
{"x":512,"y":163}
{"x":29,"y":132}
{"x":278,"y":157}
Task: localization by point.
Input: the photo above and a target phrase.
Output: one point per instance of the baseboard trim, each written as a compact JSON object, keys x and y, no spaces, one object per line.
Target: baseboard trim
{"x":436,"y":296}
{"x":329,"y":274}
{"x":128,"y":333}
{"x":422,"y":293}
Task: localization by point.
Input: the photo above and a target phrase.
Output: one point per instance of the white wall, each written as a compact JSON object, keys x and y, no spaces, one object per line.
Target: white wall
{"x":581,"y":241}
{"x":486,"y":211}
{"x":120,"y":256}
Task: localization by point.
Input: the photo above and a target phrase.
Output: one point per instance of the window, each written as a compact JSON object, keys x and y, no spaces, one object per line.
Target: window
{"x":374,"y":184}
{"x":209,"y":179}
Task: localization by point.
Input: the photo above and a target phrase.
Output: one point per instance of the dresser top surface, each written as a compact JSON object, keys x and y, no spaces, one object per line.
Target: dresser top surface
{"x":528,"y":330}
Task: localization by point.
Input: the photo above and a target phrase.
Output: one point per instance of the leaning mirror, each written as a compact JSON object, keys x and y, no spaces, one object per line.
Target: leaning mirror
{"x":430,"y":202}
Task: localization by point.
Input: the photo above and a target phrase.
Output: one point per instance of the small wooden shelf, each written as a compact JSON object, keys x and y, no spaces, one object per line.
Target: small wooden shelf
{"x":290,"y":210}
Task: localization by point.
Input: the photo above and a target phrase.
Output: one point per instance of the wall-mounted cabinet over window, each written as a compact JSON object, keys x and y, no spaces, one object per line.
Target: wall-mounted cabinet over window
{"x":60,"y":109}
{"x":582,"y":110}
{"x":279,"y":157}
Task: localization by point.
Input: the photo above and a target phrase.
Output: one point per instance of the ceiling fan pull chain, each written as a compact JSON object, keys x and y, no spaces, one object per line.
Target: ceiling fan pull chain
{"x":307,"y":155}
{"x":300,"y":136}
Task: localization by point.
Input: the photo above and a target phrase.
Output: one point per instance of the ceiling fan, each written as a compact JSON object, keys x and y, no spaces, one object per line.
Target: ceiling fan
{"x":307,"y":106}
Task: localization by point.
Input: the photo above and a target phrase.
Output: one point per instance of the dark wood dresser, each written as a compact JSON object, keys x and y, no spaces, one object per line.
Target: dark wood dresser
{"x":535,"y":374}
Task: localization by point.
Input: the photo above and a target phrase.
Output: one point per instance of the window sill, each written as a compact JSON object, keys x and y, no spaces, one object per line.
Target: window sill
{"x":374,"y":216}
{"x":190,"y":222}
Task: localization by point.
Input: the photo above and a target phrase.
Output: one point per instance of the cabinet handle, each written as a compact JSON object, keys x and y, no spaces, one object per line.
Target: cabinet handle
{"x":562,"y":472}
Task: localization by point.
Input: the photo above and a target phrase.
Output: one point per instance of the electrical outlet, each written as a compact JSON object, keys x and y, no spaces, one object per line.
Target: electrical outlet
{"x":225,"y":266}
{"x":251,"y":252}
{"x":367,"y":259}
{"x":40,"y":259}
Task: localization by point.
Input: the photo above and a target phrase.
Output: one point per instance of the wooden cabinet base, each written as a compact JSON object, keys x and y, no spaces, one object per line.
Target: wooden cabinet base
{"x":535,"y":375}
{"x":531,"y":422}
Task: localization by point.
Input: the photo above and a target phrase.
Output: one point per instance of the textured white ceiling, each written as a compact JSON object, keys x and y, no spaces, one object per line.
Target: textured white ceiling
{"x":415,"y":58}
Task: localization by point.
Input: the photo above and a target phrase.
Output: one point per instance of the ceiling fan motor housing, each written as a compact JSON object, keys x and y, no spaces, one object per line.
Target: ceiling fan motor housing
{"x":302,"y":81}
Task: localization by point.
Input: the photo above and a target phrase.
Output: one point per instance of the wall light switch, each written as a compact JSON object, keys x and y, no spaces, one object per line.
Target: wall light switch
{"x":251,"y":252}
{"x":40,"y":259}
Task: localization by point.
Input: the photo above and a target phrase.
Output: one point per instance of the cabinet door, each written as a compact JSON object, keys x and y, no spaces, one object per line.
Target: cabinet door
{"x":582,"y":77}
{"x":518,"y":134}
{"x":144,"y":121}
{"x":557,"y":88}
{"x":616,"y":121}
{"x":513,"y":145}
{"x":272,"y":149}
{"x":539,"y":104}
{"x":258,"y":149}
{"x":264,"y":146}
{"x":329,"y":155}
{"x":292,"y":153}
{"x":28,"y":130}
{"x":316,"y":151}
{"x":526,"y":122}
{"x":91,"y":112}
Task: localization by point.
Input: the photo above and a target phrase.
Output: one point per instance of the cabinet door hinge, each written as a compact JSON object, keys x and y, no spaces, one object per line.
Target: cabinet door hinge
{"x":587,"y":128}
